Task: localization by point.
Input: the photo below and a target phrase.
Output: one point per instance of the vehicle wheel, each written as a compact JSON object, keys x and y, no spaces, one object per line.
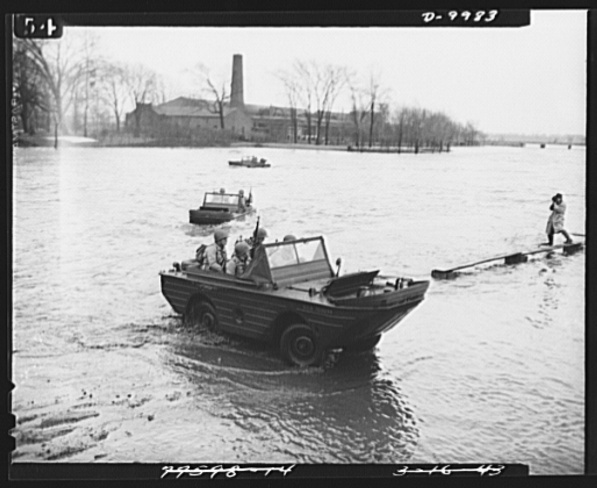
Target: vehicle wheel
{"x":363,"y":345}
{"x":299,"y":346}
{"x":202,"y":315}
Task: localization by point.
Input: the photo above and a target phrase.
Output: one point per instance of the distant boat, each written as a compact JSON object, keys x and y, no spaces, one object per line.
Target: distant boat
{"x":221,"y":207}
{"x":250,"y":162}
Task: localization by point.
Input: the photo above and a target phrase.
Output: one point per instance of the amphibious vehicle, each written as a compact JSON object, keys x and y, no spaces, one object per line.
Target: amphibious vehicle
{"x":290,"y":296}
{"x":221,"y":207}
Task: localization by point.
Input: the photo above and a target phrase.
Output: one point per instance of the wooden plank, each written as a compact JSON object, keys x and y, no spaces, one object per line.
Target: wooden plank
{"x":575,"y":245}
{"x":512,"y":258}
{"x":440,"y":272}
{"x":517,"y":258}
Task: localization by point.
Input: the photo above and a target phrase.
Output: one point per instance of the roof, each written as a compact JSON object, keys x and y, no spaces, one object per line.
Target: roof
{"x":194,"y":107}
{"x":190,"y":107}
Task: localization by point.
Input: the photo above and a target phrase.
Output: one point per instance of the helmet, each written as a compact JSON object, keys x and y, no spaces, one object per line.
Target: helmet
{"x":220,"y":234}
{"x":261,"y":232}
{"x":241,"y":192}
{"x":222,"y":190}
{"x":289,"y":237}
{"x":241,"y":248}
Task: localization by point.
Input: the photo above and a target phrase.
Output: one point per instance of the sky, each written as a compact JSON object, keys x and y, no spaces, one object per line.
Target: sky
{"x":525,"y":80}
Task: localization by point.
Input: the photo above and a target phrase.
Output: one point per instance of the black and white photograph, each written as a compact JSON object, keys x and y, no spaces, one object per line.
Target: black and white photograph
{"x":267,"y":242}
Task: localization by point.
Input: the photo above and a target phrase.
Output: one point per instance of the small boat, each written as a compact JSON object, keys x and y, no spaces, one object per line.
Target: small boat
{"x":221,"y":207}
{"x":250,"y":162}
{"x":290,"y":296}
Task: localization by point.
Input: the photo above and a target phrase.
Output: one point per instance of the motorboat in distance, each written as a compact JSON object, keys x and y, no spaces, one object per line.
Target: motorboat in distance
{"x":250,"y":162}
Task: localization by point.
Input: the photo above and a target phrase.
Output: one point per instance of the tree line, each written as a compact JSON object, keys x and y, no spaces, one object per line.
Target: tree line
{"x":312,"y":89}
{"x":53,"y":80}
{"x":67,"y":87}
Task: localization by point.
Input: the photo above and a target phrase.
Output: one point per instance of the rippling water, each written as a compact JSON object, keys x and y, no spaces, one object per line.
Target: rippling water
{"x":490,"y":368}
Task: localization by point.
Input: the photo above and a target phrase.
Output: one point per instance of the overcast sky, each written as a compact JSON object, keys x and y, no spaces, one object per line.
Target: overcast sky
{"x":529,"y":80}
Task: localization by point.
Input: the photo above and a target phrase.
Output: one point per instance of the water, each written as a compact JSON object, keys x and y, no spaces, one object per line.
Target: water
{"x":490,"y":368}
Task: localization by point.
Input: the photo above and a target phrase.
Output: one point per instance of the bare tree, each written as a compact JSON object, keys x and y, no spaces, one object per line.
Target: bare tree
{"x":216,"y":89}
{"x":114,"y":90}
{"x":330,"y":80}
{"x":470,"y":134}
{"x":304,"y":73}
{"x":144,"y":87}
{"x":221,"y":96}
{"x":58,"y":62}
{"x":88,"y":75}
{"x":359,"y":107}
{"x":399,"y":120}
{"x":30,"y":91}
{"x":292,"y":89}
{"x":377,"y":95}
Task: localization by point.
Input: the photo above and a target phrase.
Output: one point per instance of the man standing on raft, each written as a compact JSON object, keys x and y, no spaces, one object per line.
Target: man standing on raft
{"x":555,"y":223}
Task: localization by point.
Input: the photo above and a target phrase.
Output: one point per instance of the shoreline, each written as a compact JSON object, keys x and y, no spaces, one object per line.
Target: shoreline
{"x":80,"y":141}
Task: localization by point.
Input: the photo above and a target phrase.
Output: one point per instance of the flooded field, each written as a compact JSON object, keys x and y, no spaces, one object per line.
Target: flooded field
{"x":489,"y":368}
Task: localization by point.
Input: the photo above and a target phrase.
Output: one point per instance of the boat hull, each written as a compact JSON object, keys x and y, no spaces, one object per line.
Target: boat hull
{"x":247,"y":310}
{"x":248,"y":165}
{"x":215,"y":217}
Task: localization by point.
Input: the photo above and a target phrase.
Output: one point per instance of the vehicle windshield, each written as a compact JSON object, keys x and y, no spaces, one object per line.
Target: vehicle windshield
{"x":291,"y":253}
{"x":221,"y":198}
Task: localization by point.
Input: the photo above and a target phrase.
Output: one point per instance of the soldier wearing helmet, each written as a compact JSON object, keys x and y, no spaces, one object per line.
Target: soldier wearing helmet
{"x":240,"y":259}
{"x":285,"y":254}
{"x":261,"y":235}
{"x":215,"y":254}
{"x":257,"y":240}
{"x":242,"y":203}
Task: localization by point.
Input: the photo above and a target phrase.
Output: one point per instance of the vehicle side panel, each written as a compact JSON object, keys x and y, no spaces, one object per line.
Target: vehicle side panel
{"x":251,"y":312}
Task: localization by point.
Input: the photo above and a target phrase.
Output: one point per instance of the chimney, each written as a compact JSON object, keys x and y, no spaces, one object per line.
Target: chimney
{"x":236,"y":88}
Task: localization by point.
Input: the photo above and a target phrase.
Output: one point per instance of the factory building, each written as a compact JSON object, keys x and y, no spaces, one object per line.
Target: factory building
{"x":196,"y":119}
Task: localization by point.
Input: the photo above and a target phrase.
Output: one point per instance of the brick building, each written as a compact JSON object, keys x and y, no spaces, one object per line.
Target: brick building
{"x":190,"y":118}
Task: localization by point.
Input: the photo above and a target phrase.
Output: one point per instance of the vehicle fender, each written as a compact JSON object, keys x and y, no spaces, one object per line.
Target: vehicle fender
{"x":283,"y":320}
{"x":199,"y":297}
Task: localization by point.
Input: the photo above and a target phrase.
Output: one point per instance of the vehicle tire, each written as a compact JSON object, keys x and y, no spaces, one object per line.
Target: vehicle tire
{"x":363,"y":345}
{"x":201,"y":314}
{"x":299,"y":346}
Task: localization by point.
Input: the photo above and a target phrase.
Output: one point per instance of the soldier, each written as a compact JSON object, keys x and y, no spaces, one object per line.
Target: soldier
{"x":240,"y":259}
{"x":242,"y":203}
{"x":283,"y":255}
{"x":215,"y":254}
{"x":257,"y":240}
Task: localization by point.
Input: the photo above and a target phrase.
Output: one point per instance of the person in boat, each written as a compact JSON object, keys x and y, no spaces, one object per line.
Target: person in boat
{"x":240,"y":259}
{"x":215,"y":254}
{"x":283,"y":255}
{"x":257,"y":240}
{"x":555,"y":223}
{"x":242,"y":202}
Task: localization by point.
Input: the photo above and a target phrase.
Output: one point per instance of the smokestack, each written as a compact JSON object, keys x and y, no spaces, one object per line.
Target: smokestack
{"x":236,"y":87}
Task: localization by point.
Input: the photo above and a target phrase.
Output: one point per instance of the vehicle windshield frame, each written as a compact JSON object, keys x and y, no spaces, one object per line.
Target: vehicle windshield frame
{"x":231,"y":199}
{"x":298,"y":257}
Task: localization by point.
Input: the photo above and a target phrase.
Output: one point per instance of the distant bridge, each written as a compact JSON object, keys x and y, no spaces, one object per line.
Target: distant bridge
{"x":540,"y":143}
